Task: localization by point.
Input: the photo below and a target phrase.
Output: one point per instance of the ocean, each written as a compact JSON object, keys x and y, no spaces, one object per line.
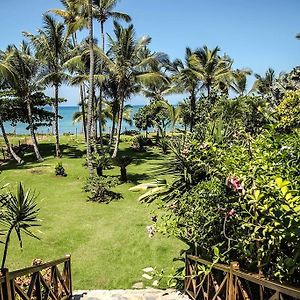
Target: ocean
{"x":66,"y":124}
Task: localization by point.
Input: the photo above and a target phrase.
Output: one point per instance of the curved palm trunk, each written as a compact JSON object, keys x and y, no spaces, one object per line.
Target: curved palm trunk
{"x":113,"y":128}
{"x":91,"y":88}
{"x":120,"y":119}
{"x":83,"y":111}
{"x":8,"y":145}
{"x":56,"y":130}
{"x":32,"y":133}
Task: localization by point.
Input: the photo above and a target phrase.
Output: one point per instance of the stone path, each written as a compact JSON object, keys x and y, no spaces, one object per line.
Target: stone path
{"x":142,"y":294}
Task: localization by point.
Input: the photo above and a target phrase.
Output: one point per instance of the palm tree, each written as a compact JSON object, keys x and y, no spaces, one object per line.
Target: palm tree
{"x":7,"y":108}
{"x":211,"y":69}
{"x":19,"y":215}
{"x":52,"y":48}
{"x":127,"y":67}
{"x":103,"y":10}
{"x":174,"y":113}
{"x":74,"y":16}
{"x":5,"y":103}
{"x":263,"y":85}
{"x":239,"y":84}
{"x":25,"y":69}
{"x":186,"y":80}
{"x":91,"y":86}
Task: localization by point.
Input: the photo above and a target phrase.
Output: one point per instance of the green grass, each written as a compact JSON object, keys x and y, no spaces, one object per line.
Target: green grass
{"x":108,"y":242}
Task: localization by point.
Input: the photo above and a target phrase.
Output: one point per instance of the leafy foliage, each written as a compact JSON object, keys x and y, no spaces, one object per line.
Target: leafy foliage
{"x":60,"y":170}
{"x":99,"y":189}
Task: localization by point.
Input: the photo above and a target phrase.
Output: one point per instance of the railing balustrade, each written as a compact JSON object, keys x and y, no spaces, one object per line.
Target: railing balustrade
{"x":50,"y":280}
{"x":208,"y":281}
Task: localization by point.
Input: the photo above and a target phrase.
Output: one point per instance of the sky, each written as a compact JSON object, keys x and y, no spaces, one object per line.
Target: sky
{"x":256,"y":34}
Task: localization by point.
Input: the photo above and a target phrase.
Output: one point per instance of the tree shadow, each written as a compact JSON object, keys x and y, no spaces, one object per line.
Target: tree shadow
{"x":47,"y":151}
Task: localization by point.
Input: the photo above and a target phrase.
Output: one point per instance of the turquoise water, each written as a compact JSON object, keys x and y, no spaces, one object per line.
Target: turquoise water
{"x":66,"y":124}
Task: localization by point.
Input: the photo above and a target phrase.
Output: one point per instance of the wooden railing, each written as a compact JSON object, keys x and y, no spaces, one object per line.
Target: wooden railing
{"x":205,"y":280}
{"x":50,"y":280}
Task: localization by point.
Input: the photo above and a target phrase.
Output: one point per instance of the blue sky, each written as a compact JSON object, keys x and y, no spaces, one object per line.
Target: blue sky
{"x":257,"y":34}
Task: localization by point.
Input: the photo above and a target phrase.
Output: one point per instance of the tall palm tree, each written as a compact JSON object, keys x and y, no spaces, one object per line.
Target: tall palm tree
{"x":127,"y":67}
{"x":74,"y":16}
{"x":104,"y":10}
{"x":52,"y":49}
{"x":186,"y":80}
{"x":211,"y":69}
{"x":26,"y":69}
{"x":91,"y":86}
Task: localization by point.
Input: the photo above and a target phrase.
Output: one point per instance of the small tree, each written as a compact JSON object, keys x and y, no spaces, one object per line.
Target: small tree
{"x":19,"y":214}
{"x":122,"y":162}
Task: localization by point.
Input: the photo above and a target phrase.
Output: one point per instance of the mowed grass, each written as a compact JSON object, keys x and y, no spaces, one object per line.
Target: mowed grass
{"x":108,"y":243}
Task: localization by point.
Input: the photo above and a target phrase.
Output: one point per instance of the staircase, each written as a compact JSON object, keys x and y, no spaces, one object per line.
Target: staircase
{"x":139,"y":294}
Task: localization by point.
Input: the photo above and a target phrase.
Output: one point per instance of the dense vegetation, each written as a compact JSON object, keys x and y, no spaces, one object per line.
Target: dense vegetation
{"x":234,"y":152}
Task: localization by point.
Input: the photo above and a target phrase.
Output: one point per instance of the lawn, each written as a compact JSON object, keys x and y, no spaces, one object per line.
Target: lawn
{"x":108,"y":243}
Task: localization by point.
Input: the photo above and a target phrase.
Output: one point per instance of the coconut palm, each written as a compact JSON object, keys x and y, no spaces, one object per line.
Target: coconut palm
{"x":74,"y":16}
{"x":52,"y":48}
{"x":7,"y":108}
{"x":174,"y":113}
{"x":186,"y":81}
{"x":264,"y":84}
{"x":104,"y":10}
{"x":19,"y":214}
{"x":211,"y":69}
{"x":25,"y":83}
{"x":91,"y":86}
{"x":239,"y":83}
{"x":127,"y":67}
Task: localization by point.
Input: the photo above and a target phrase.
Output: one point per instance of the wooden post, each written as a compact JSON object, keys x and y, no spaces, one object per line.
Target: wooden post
{"x":231,"y":285}
{"x":67,"y":274}
{"x":6,"y":286}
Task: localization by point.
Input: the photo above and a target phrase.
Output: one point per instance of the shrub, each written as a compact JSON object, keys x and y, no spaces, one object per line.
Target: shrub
{"x":139,"y":143}
{"x":60,"y":170}
{"x":99,"y":189}
{"x":122,"y":162}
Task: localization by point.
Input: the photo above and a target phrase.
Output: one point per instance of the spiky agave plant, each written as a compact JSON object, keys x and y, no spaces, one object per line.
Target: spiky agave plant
{"x":19,"y":214}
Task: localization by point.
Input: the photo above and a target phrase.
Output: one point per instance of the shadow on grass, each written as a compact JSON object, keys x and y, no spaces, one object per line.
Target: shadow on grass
{"x":47,"y":151}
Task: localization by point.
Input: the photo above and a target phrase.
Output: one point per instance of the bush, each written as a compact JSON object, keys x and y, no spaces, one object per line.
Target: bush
{"x":139,"y":143}
{"x":99,"y":189}
{"x":60,"y":170}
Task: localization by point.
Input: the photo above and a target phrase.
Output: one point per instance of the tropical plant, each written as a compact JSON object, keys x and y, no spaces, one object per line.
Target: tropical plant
{"x":19,"y":214}
{"x":52,"y":49}
{"x":127,"y":66}
{"x":122,"y":162}
{"x":99,"y":189}
{"x":26,"y":85}
{"x":60,"y":170}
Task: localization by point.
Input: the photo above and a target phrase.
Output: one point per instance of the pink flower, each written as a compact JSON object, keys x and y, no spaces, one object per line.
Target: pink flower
{"x":235,"y":184}
{"x":231,"y":213}
{"x":185,"y":151}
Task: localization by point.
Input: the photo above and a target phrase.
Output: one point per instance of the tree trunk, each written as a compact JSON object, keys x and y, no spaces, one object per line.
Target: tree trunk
{"x":6,"y":246}
{"x":8,"y":145}
{"x":123,"y":174}
{"x":113,"y":128}
{"x":83,"y":111}
{"x":120,"y":118}
{"x":192,"y":112}
{"x":91,"y":88}
{"x":56,"y":130}
{"x":32,"y":133}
